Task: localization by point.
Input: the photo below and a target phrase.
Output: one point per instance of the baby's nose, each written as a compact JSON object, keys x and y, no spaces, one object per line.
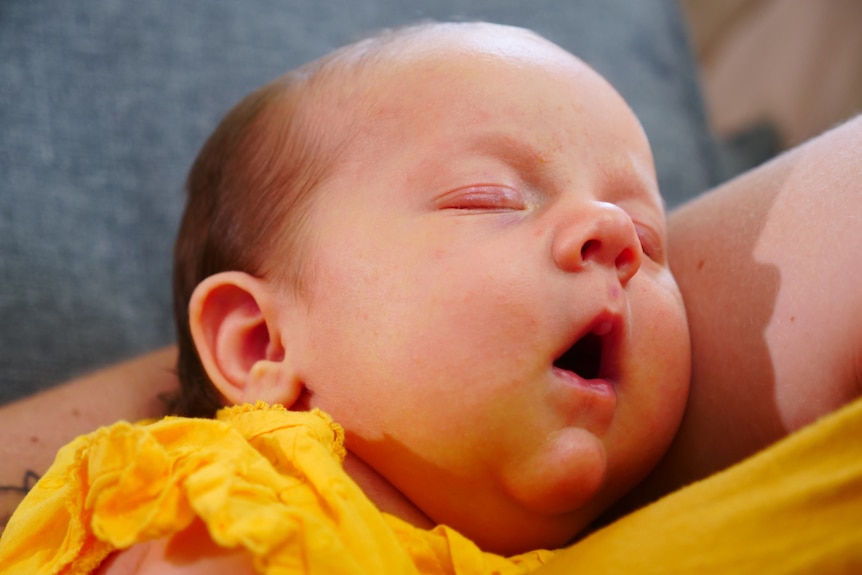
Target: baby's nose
{"x":599,"y":234}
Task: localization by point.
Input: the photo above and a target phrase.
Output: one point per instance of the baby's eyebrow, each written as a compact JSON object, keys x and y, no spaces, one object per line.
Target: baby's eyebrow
{"x":530,"y":161}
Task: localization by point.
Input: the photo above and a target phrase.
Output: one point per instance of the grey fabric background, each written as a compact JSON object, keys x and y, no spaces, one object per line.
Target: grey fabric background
{"x":104,"y":103}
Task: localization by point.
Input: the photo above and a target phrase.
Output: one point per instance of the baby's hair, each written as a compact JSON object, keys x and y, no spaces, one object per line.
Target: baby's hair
{"x":254,"y":169}
{"x":253,"y":183}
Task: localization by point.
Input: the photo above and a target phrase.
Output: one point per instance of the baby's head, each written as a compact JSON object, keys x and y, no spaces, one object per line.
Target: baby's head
{"x":450,"y":238}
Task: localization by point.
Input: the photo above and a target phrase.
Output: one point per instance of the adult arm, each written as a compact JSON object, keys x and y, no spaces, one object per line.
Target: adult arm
{"x":33,"y":429}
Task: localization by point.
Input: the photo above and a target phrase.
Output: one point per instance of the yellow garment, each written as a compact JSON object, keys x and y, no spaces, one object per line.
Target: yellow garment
{"x":260,"y":477}
{"x":272,"y":482}
{"x":793,"y":508}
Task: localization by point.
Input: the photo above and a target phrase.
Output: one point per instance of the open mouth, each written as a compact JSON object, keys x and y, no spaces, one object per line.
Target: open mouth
{"x":584,"y":358}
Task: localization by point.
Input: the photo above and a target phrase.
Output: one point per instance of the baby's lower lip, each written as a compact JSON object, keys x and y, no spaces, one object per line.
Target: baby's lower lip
{"x":597,"y":385}
{"x":586,"y":403}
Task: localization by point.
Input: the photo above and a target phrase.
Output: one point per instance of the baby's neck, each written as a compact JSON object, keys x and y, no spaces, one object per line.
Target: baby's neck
{"x":383,"y":494}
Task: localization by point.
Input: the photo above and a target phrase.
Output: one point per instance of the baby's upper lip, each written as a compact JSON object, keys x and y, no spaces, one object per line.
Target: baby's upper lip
{"x":593,"y":351}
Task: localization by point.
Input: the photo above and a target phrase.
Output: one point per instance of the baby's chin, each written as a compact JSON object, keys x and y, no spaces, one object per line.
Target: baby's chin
{"x":560,"y":490}
{"x":563,"y":476}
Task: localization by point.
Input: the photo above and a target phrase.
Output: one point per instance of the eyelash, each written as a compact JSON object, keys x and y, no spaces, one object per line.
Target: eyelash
{"x":487,"y":198}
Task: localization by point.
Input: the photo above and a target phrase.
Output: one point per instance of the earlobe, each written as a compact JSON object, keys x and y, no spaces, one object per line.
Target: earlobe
{"x":234,"y":322}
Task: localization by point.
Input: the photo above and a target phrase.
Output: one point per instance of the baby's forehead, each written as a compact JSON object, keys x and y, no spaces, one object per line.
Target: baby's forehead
{"x":381,"y":69}
{"x":377,"y":86}
{"x":401,"y":48}
{"x":490,"y":42}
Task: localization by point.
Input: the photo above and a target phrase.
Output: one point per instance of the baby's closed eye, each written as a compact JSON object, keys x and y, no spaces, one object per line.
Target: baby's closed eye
{"x":651,"y":242}
{"x":483,"y":197}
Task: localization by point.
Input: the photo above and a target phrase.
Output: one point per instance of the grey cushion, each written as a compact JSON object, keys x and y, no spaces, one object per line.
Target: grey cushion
{"x":103,"y":104}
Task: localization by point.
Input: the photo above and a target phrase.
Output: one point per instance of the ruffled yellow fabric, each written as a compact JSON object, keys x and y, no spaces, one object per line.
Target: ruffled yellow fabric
{"x":260,"y":477}
{"x":271,"y":481}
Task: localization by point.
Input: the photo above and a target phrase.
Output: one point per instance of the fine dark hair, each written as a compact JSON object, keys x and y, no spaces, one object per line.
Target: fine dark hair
{"x":246,"y":195}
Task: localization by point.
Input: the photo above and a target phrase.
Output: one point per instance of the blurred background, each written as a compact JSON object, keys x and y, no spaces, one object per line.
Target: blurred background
{"x":776,"y":72}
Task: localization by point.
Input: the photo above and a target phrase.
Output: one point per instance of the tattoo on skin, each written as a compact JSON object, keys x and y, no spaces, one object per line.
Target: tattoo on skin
{"x":11,"y":495}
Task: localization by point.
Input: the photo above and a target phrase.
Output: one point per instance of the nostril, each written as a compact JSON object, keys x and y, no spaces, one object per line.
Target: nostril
{"x":589,"y":248}
{"x":625,"y":259}
{"x":592,"y":250}
{"x":628,"y":263}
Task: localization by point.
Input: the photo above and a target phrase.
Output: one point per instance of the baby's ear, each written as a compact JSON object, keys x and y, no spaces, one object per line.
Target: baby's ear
{"x":234,"y":322}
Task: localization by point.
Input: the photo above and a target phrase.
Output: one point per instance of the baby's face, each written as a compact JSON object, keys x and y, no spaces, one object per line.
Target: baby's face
{"x":490,"y":313}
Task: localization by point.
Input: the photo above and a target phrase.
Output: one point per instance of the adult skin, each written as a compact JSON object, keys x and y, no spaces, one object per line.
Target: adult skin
{"x":34,"y":428}
{"x":766,"y":263}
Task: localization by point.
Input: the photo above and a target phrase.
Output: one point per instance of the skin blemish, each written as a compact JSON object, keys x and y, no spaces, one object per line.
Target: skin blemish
{"x":700,"y":264}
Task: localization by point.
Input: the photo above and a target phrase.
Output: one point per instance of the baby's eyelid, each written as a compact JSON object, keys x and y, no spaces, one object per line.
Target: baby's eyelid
{"x":490,"y":196}
{"x":651,"y":242}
